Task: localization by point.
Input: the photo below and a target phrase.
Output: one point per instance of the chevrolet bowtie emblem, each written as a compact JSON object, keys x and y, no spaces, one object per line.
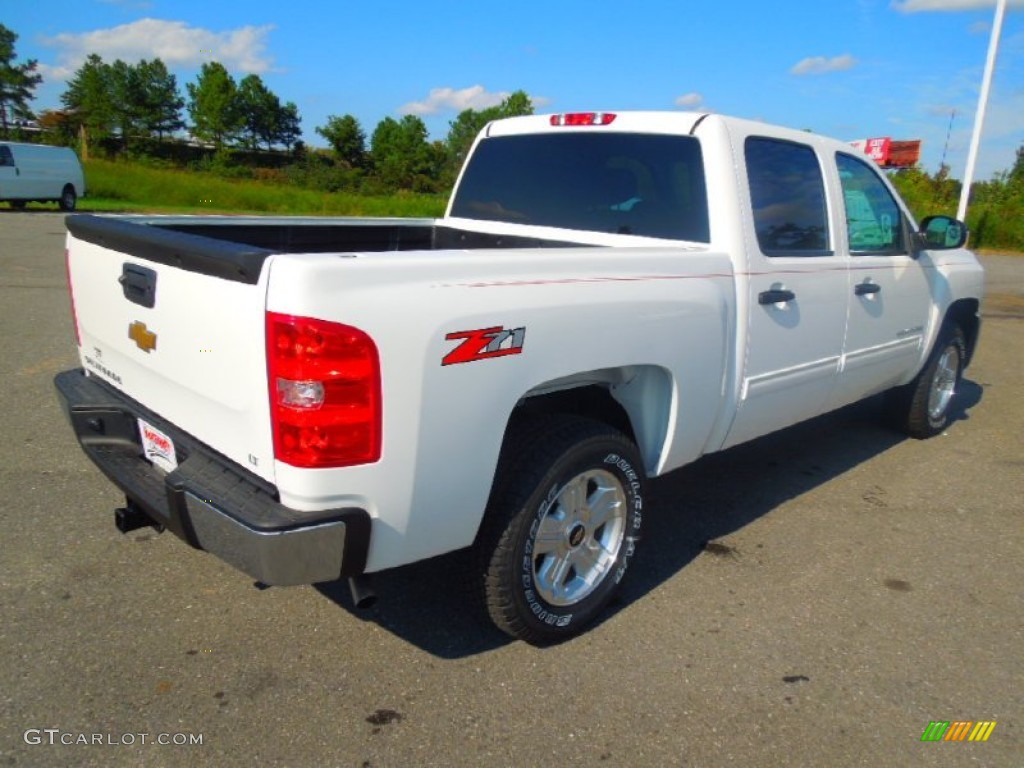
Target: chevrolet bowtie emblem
{"x":142,"y":336}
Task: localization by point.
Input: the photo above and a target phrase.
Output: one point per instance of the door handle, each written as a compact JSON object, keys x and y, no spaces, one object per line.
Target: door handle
{"x":865,"y":289}
{"x":775,"y":296}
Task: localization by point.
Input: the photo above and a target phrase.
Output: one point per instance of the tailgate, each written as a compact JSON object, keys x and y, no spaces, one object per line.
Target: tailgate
{"x":176,"y":322}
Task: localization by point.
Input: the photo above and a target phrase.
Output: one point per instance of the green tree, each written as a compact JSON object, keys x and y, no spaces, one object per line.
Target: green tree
{"x":264,"y":118}
{"x":17,"y":82}
{"x":517,"y":104}
{"x":213,"y":105}
{"x":259,"y":109}
{"x":126,"y":99}
{"x":160,"y":110}
{"x":89,"y":102}
{"x":123,"y":99}
{"x":347,"y":139}
{"x":1015,"y":177}
{"x":401,"y":155}
{"x":288,"y":126}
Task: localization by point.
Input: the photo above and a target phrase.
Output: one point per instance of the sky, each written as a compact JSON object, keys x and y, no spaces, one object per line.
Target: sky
{"x":851,"y":69}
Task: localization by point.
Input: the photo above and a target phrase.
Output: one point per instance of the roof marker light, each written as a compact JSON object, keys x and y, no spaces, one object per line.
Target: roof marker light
{"x":583,"y":118}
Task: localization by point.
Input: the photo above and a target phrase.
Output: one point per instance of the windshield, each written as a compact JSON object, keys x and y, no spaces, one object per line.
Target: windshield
{"x":624,"y":183}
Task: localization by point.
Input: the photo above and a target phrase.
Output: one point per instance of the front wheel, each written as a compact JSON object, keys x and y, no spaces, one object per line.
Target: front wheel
{"x":561,"y":528}
{"x":923,"y":408}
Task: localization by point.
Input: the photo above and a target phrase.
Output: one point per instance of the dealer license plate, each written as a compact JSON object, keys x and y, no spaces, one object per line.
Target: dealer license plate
{"x":157,"y":447}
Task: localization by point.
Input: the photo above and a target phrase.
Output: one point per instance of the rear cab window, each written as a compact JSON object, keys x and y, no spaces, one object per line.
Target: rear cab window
{"x":650,"y":185}
{"x":787,"y":195}
{"x":6,"y":157}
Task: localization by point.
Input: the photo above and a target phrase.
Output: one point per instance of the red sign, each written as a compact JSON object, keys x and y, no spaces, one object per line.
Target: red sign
{"x":889,"y":153}
{"x":878,"y":149}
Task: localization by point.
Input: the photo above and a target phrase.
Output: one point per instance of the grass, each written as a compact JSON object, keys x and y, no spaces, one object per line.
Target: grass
{"x":118,"y":186}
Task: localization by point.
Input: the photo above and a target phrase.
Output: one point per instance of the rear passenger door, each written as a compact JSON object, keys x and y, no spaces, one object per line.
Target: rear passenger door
{"x":891,"y":294}
{"x":798,"y":290}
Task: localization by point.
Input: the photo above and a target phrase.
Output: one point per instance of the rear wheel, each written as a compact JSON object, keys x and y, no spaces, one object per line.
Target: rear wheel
{"x":923,"y":407}
{"x":561,"y":528}
{"x":68,"y":198}
{"x":19,"y":205}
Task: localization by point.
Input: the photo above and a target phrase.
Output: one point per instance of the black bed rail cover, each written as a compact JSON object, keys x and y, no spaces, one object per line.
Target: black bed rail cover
{"x":208,"y":256}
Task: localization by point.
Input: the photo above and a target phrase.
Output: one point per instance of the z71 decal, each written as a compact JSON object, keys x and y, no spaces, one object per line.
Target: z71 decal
{"x":485,"y":343}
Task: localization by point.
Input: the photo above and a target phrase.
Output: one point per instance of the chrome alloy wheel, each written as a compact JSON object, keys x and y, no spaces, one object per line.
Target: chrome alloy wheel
{"x":579,"y":537}
{"x":944,"y":382}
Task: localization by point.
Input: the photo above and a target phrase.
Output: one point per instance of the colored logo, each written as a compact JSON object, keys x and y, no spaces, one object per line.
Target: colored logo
{"x":142,"y":336}
{"x":958,"y":730}
{"x":484,"y":343}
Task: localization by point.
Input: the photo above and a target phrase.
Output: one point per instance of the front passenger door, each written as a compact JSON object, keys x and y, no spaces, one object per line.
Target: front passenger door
{"x":891,"y":294}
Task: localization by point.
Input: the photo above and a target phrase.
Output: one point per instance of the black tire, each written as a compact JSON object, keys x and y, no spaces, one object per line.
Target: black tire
{"x":68,"y":198}
{"x":561,"y":527}
{"x":923,"y":408}
{"x":19,"y":205}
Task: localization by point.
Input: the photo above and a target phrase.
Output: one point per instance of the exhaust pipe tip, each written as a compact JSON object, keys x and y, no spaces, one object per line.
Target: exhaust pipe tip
{"x":363,"y":594}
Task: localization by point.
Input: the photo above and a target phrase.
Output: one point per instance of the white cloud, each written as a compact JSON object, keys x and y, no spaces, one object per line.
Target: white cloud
{"x":174,"y":42}
{"x":445,"y":99}
{"x":451,"y":100}
{"x":689,"y":100}
{"x":915,"y":6}
{"x":819,"y":65}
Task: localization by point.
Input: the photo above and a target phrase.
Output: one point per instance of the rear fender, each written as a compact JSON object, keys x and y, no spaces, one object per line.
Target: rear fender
{"x":636,"y":400}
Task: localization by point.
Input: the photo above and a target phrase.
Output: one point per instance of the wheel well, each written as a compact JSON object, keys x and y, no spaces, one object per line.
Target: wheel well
{"x":592,"y":402}
{"x":965,"y":314}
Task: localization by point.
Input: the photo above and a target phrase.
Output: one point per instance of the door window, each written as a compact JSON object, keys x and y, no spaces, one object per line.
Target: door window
{"x":874,"y":223}
{"x":787,"y":194}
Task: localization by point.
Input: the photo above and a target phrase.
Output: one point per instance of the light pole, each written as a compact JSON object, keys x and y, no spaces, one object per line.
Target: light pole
{"x":979,"y":117}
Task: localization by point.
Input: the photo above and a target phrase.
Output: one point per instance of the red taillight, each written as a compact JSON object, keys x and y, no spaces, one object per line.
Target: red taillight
{"x":325,"y":399}
{"x":583,"y":118}
{"x":71,"y":295}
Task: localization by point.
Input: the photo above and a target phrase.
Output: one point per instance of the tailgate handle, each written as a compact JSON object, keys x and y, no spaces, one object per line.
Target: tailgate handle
{"x":138,"y":284}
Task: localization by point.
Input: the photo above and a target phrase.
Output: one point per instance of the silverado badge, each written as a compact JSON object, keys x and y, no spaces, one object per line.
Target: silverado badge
{"x":143,"y":337}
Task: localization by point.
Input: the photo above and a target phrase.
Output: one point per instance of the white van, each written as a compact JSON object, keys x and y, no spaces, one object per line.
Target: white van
{"x":34,"y":172}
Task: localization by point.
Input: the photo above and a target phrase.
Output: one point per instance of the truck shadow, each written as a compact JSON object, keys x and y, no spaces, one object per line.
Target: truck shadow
{"x":688,"y":511}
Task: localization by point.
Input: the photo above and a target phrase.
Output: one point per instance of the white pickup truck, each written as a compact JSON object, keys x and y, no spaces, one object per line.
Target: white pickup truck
{"x":608,"y":297}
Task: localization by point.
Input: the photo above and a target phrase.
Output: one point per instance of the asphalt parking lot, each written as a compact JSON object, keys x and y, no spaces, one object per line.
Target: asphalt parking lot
{"x":859,"y":586}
